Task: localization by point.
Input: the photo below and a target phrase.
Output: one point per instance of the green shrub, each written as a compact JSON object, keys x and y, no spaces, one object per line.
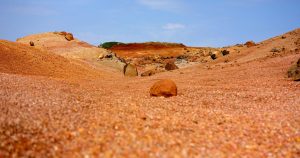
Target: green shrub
{"x":108,"y":45}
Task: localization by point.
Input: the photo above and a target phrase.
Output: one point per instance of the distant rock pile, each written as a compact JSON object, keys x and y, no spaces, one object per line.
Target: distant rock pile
{"x":294,"y":71}
{"x":165,"y":88}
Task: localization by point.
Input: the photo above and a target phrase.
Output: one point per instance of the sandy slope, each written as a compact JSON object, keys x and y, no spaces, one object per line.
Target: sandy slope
{"x":223,"y":110}
{"x":25,"y":60}
{"x":56,"y":43}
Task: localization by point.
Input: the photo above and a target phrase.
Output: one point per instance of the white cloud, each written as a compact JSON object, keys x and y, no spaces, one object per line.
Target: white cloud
{"x":173,"y":26}
{"x":161,"y":4}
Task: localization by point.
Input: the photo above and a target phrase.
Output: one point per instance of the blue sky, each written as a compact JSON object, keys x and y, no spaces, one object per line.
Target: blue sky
{"x":192,"y":22}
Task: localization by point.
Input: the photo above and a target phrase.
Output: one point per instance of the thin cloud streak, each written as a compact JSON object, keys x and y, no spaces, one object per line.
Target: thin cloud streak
{"x":173,"y":26}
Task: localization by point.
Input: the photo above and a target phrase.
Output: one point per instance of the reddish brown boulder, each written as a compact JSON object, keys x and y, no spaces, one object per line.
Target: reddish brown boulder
{"x":166,"y":88}
{"x":69,"y":37}
{"x":250,"y":44}
{"x":171,"y":66}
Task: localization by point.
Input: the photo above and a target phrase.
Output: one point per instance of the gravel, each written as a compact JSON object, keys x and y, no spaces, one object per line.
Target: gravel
{"x":245,"y":110}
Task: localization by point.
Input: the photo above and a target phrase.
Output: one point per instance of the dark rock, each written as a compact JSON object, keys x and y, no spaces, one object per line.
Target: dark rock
{"x":213,"y":56}
{"x":108,"y":56}
{"x":31,"y":43}
{"x":225,"y":52}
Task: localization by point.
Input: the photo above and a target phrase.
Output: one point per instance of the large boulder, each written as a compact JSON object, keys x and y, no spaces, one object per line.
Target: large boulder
{"x":130,"y":70}
{"x":171,"y":66}
{"x":165,"y":88}
{"x":294,"y":71}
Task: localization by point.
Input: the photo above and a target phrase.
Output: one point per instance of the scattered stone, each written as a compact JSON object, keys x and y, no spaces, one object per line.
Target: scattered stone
{"x":101,"y":56}
{"x":214,"y":55}
{"x":250,"y":44}
{"x":109,"y":56}
{"x":130,"y":70}
{"x":225,"y":52}
{"x":171,"y":66}
{"x":69,"y":37}
{"x":31,"y":43}
{"x":149,"y":73}
{"x":275,"y":50}
{"x":165,"y":88}
{"x":180,"y":57}
{"x":283,"y":37}
{"x":294,"y":71}
{"x":239,"y":45}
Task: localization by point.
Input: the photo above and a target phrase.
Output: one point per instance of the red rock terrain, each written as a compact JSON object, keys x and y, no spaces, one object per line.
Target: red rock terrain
{"x":240,"y":105}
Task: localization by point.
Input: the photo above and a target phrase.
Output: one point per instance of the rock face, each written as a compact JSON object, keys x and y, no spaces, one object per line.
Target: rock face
{"x":166,"y":88}
{"x":294,"y":71}
{"x":171,"y":66}
{"x":69,"y":37}
{"x":130,"y":70}
{"x":250,"y":44}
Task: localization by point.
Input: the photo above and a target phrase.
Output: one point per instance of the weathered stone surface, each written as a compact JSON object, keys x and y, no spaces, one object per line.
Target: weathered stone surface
{"x":130,"y":70}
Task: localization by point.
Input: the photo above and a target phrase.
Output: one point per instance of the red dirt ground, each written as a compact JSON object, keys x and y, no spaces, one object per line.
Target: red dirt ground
{"x":247,"y":108}
{"x":135,"y":50}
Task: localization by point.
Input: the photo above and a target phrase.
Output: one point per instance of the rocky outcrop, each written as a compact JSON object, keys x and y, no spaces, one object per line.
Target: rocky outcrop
{"x":165,"y":88}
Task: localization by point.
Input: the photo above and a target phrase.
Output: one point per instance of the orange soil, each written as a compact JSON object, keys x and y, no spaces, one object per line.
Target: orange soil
{"x":22,"y":59}
{"x":246,"y":107}
{"x":135,"y":50}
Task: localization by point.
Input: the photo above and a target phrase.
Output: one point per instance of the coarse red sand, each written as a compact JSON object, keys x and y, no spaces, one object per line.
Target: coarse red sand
{"x":243,"y":109}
